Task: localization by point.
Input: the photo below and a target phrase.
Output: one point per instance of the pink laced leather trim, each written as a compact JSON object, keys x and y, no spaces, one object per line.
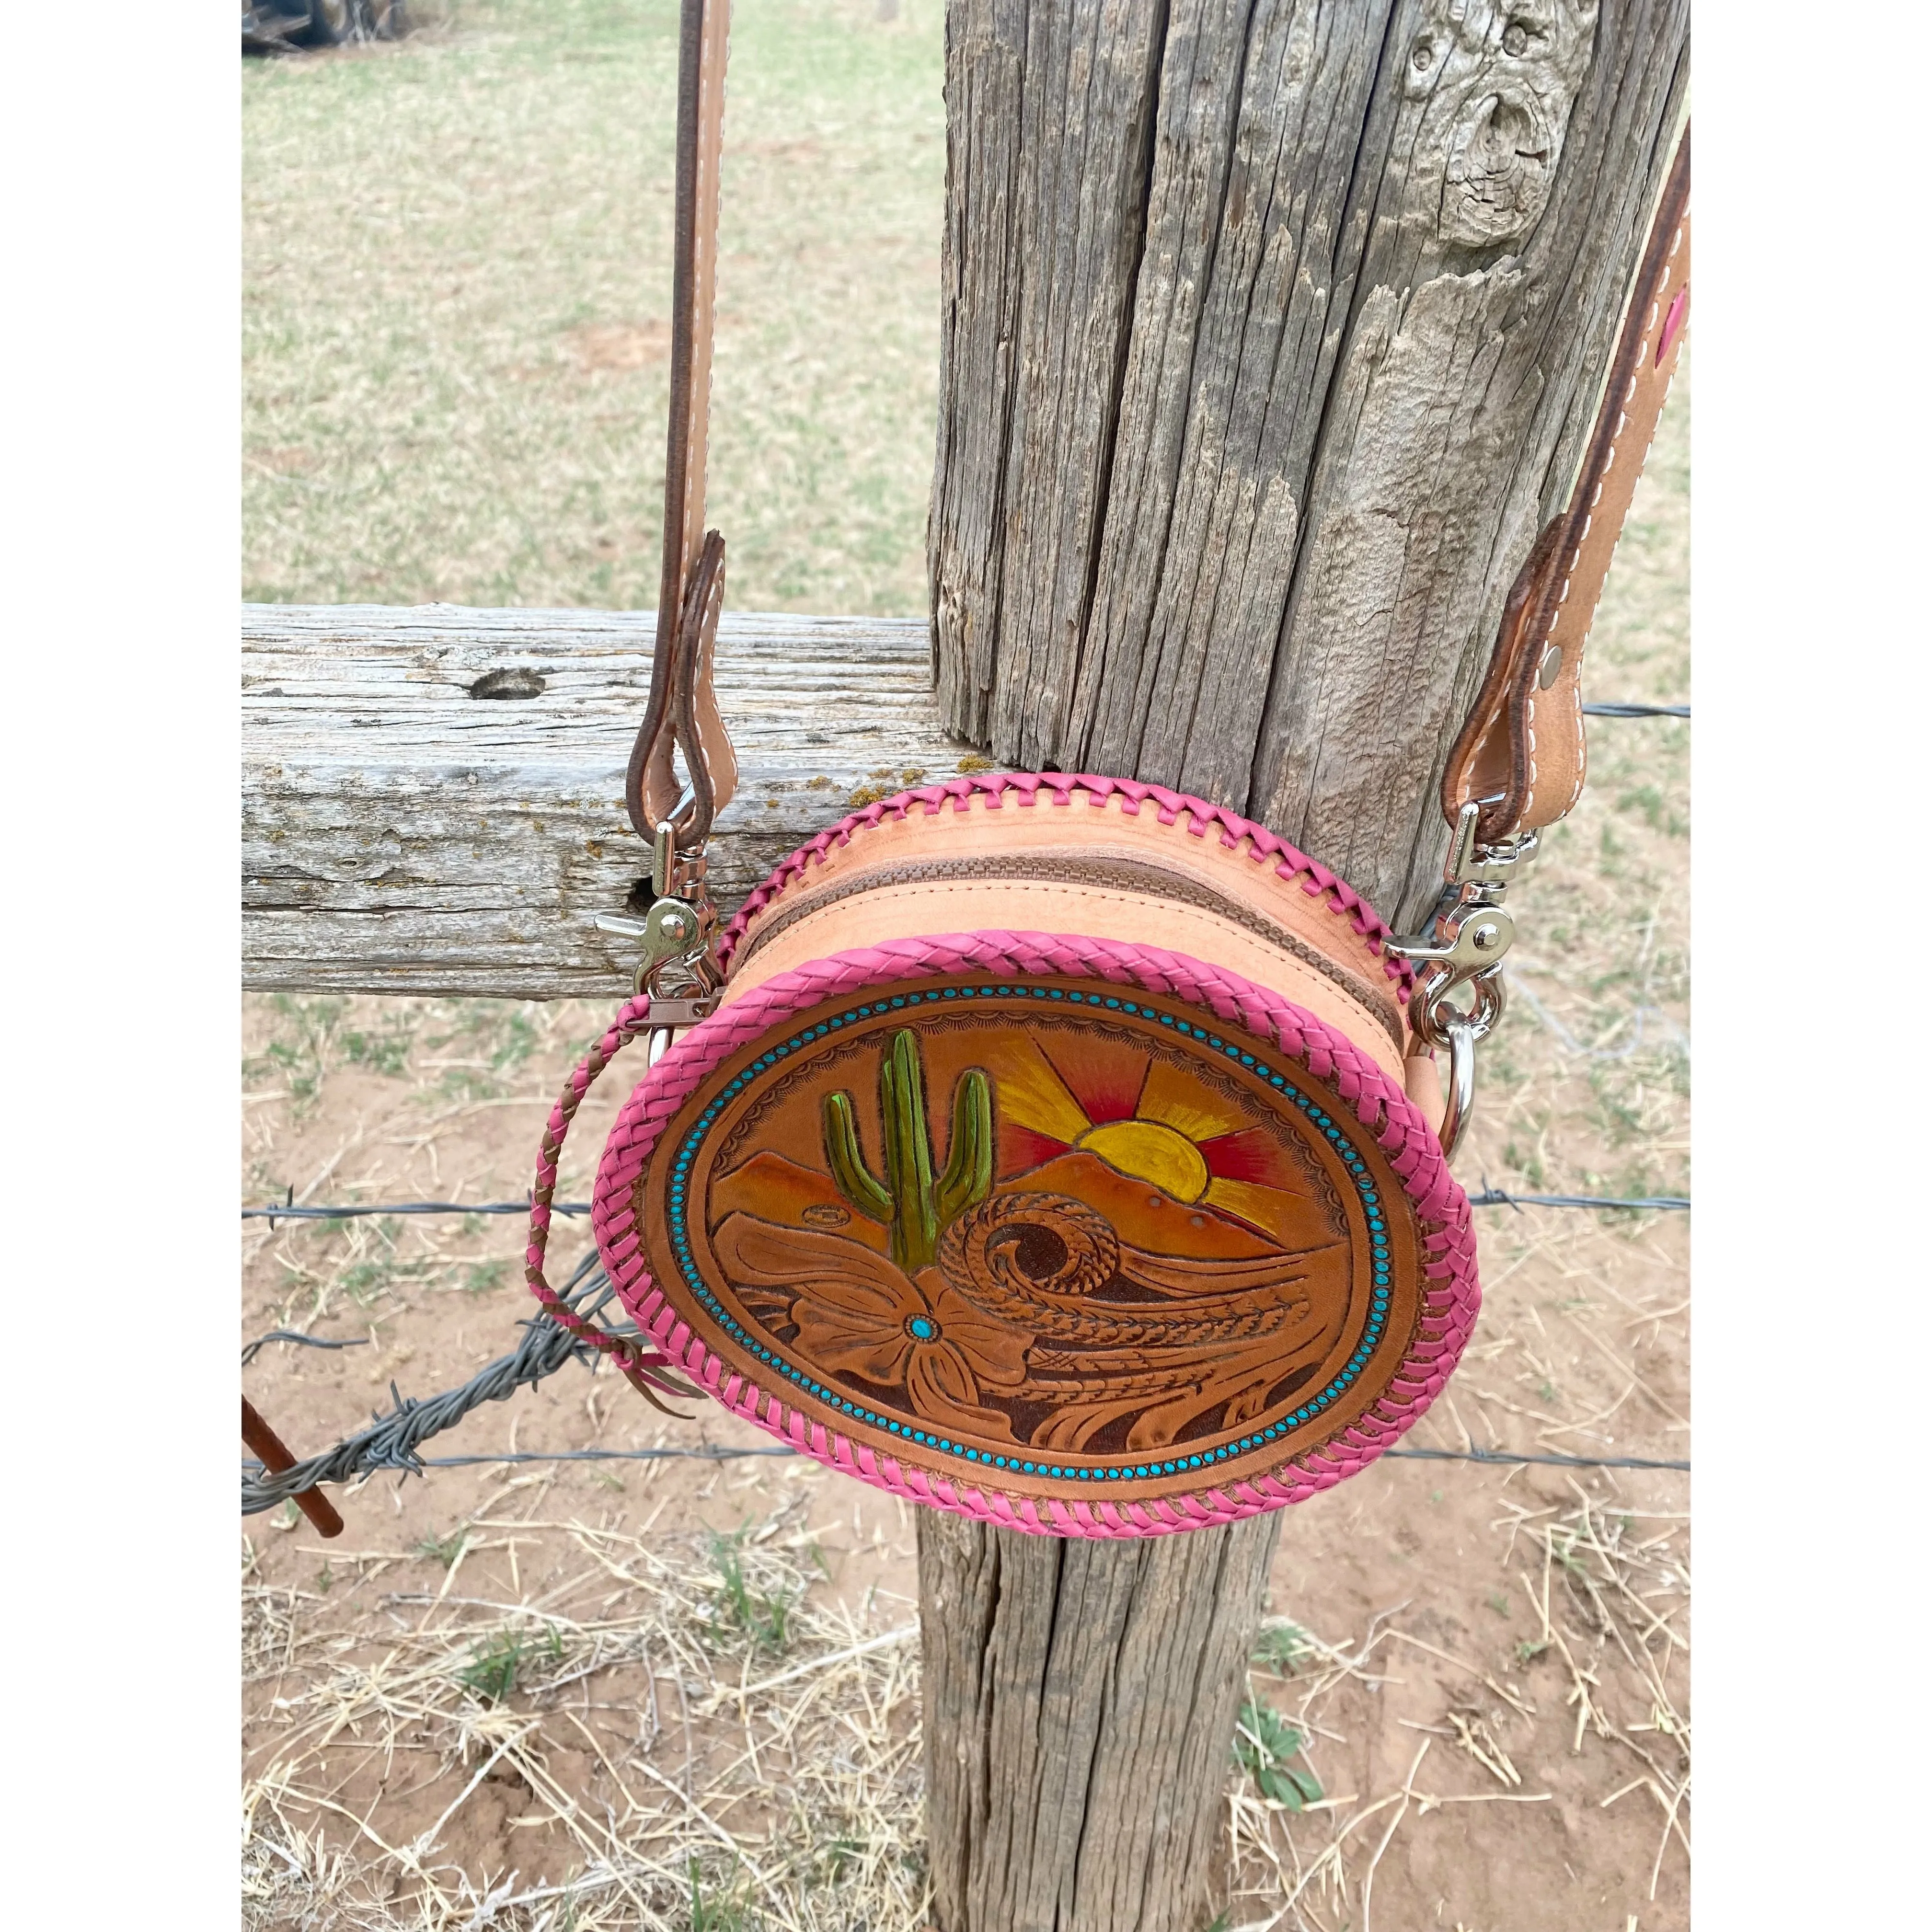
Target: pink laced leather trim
{"x":990,"y":792}
{"x":1450,"y":1294}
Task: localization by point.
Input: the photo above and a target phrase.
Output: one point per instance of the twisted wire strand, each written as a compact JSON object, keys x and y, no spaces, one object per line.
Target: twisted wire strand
{"x":1489,"y":1197}
{"x":390,"y":1442}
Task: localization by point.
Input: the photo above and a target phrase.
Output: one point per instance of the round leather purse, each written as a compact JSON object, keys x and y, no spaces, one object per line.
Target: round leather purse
{"x":1062,"y":1150}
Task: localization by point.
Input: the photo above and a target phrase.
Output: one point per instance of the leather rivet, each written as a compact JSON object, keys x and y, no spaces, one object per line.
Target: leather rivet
{"x":1553,"y":664}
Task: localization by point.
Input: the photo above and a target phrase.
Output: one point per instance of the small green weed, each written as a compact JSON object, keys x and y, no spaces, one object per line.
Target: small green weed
{"x":831,"y":1860}
{"x":500,"y":1041}
{"x":1649,"y":804}
{"x":386,"y":1051}
{"x":1283,"y":1647}
{"x":723,"y":1912}
{"x":1563,"y":1547}
{"x":445,"y":1549}
{"x":739,"y":1609}
{"x":1264,"y":1743}
{"x":493,"y":1668}
{"x":300,"y":1051}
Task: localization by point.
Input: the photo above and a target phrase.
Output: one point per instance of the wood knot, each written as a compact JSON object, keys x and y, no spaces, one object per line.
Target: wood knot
{"x":518,"y":681}
{"x":1496,"y":80}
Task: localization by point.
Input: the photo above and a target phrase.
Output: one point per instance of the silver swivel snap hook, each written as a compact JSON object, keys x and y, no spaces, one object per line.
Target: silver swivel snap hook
{"x":678,"y":968}
{"x":1459,"y":992}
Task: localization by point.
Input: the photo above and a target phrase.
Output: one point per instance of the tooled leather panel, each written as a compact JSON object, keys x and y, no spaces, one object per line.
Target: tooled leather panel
{"x":1095,"y":869}
{"x":912,"y":1361}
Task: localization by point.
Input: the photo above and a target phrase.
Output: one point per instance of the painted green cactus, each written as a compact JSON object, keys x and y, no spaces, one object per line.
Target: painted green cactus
{"x":916,"y":1209}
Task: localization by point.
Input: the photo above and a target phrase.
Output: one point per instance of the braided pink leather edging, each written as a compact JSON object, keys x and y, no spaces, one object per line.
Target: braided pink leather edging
{"x":989,"y":791}
{"x":1449,"y":1298}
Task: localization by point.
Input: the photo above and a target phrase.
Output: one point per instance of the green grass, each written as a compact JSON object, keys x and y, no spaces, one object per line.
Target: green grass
{"x":495,"y":1664}
{"x":445,"y":1549}
{"x":308,"y":1038}
{"x":722,"y":1912}
{"x":739,"y":1610}
{"x":457,"y":276}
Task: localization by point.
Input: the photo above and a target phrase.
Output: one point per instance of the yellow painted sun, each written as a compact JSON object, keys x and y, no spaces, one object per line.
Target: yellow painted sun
{"x":1150,"y":1151}
{"x":1149,"y":1119}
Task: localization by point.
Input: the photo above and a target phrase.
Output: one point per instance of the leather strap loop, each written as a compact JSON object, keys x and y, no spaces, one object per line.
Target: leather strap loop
{"x":1520,"y":752}
{"x":682,"y":711}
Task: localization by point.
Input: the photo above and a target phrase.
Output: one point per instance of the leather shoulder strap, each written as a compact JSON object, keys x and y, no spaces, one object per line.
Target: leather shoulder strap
{"x":682,"y":710}
{"x":1520,"y":752}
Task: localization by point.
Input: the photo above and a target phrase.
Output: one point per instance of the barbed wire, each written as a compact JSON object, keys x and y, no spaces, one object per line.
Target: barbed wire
{"x":392,"y":1440}
{"x":1495,"y":1197}
{"x":1480,"y":1455}
{"x":1488,"y":1197}
{"x":709,"y":1453}
{"x":254,"y":1349}
{"x":714,"y":1455}
{"x":1637,"y":711}
{"x":356,"y":1210}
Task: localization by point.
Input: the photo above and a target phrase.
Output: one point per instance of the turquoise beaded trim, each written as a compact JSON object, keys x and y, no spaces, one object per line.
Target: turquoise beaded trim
{"x":1283,"y":1426}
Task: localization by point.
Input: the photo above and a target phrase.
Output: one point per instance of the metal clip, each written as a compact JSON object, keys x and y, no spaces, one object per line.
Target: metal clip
{"x":679,"y":969}
{"x":1469,"y":932}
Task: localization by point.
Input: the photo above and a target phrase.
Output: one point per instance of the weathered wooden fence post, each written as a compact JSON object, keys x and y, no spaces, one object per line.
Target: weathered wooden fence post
{"x":1271,"y":328}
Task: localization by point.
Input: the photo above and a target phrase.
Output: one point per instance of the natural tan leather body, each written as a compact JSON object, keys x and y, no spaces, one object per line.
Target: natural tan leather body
{"x":1092,"y":867}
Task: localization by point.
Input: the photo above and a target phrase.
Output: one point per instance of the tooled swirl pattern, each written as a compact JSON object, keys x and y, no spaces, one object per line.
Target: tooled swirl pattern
{"x":978,"y":1256}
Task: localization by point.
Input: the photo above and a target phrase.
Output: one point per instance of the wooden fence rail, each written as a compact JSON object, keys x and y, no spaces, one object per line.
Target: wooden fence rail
{"x":403,"y":832}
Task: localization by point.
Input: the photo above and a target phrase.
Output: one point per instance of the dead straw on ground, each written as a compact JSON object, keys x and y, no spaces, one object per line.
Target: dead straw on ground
{"x":1610,"y":1663}
{"x":738,"y":1751}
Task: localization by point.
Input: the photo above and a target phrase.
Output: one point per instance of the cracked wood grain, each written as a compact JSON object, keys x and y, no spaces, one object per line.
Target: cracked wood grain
{"x":1241,"y":444}
{"x":401,"y":836}
{"x":1270,"y":334}
{"x":1085,"y":1694}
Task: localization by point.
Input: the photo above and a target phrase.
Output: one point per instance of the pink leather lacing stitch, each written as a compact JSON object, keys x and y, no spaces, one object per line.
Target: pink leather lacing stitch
{"x":989,"y":790}
{"x":1449,"y":1301}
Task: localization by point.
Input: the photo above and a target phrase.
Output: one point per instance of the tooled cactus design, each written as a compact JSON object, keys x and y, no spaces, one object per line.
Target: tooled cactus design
{"x":916,"y":1209}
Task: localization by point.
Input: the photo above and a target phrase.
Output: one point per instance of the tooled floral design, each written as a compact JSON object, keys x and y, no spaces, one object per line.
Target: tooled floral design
{"x":858,"y":1313}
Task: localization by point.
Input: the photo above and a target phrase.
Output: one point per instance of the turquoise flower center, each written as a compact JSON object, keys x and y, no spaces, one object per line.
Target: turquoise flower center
{"x":925,"y":1329}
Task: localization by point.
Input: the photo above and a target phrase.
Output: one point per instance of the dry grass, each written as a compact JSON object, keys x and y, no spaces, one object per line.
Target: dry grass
{"x":1609,"y":1661}
{"x":689,"y":1739}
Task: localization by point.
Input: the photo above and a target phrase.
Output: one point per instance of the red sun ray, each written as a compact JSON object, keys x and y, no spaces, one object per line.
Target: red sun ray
{"x":1104,"y":1076}
{"x":1020,"y":1149}
{"x":1253,"y":1155}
